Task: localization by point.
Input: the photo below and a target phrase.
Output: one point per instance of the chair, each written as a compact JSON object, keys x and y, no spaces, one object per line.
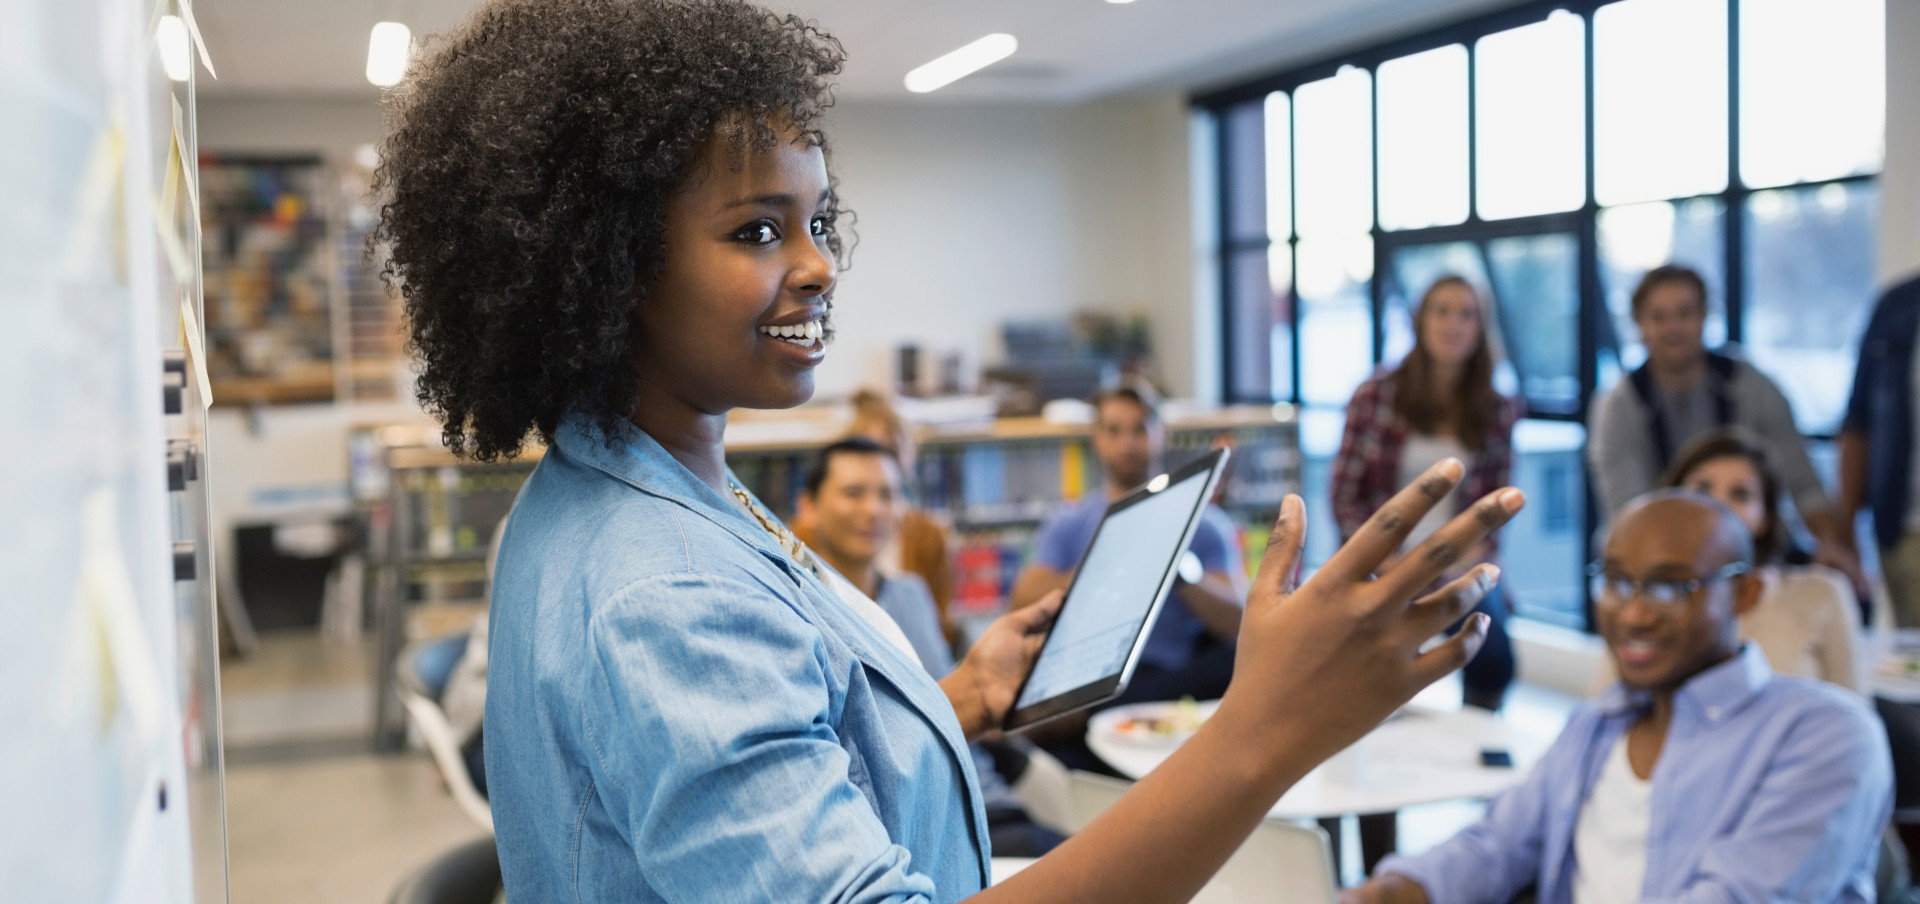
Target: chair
{"x":422,"y":671}
{"x":1280,"y":863}
{"x":468,"y":874}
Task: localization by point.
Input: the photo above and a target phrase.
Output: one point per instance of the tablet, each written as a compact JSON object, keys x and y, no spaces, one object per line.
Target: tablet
{"x":1116,"y":592}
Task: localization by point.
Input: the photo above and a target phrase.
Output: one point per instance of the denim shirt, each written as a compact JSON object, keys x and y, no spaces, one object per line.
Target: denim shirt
{"x":1882,"y":407}
{"x":678,"y":712}
{"x":1767,"y":789}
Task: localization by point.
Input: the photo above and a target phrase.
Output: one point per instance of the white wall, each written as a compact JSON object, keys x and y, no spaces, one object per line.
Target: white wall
{"x":1900,"y":180}
{"x":967,"y":215}
{"x":972,"y":215}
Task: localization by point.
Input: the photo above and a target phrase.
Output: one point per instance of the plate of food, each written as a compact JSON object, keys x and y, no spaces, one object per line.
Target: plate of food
{"x":1157,"y":724}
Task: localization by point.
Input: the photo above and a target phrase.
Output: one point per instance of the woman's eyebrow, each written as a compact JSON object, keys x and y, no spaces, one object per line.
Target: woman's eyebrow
{"x":773,"y":200}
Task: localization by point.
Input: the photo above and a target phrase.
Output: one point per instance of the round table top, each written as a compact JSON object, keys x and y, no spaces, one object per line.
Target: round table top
{"x":1420,"y":755}
{"x":1895,"y":673}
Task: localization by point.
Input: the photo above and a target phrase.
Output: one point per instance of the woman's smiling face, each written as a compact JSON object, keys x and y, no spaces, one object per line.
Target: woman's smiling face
{"x":737,"y":318}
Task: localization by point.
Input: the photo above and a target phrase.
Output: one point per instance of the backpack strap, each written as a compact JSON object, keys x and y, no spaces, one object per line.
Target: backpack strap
{"x":1720,"y":371}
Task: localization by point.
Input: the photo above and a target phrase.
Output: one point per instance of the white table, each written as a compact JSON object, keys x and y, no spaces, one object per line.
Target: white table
{"x":1887,"y":653}
{"x":1420,"y":756}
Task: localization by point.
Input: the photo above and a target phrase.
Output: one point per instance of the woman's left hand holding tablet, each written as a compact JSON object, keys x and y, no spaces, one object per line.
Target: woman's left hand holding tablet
{"x":982,"y":686}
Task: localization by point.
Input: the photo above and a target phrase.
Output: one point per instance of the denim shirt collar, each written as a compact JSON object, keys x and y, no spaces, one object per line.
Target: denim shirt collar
{"x":638,"y":460}
{"x":1711,"y":695}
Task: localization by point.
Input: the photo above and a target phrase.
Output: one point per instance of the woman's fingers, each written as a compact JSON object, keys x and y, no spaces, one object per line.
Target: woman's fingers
{"x":1445,"y":606}
{"x":1432,"y":558}
{"x":1280,"y":564}
{"x":1383,"y":533}
{"x":1453,"y":653}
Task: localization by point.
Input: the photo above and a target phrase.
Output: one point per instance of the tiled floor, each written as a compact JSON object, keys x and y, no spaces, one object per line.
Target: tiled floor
{"x":313,"y":816}
{"x":336,"y":830}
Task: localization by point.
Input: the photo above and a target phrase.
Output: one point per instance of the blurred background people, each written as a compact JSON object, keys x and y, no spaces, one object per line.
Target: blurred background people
{"x":1878,"y":467}
{"x":1190,"y":651}
{"x":1683,"y":391}
{"x":853,"y":499}
{"x":1439,"y":403}
{"x":1804,"y":620}
{"x":1772,"y":788}
{"x":920,"y":545}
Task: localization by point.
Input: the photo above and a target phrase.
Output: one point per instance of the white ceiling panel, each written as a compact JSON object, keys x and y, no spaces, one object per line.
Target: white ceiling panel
{"x":1070,"y":50}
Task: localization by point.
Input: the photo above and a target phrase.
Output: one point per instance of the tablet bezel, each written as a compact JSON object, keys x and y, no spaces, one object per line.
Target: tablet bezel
{"x":1214,"y":464}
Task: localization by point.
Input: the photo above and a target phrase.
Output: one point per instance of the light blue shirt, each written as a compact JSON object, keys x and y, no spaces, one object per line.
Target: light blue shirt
{"x":1063,"y":541}
{"x":677,"y":712}
{"x":1768,"y":789}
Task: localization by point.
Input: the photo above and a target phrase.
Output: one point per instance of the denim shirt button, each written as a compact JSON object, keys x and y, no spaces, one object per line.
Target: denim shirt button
{"x":1713,"y":712}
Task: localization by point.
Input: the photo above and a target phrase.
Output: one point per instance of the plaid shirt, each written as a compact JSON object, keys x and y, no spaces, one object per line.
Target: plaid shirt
{"x":1366,"y":473}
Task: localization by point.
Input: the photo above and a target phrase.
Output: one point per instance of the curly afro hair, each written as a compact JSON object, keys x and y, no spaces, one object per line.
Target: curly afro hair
{"x":523,"y":187}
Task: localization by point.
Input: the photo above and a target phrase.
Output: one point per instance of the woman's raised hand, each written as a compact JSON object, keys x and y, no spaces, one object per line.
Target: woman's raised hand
{"x":1322,"y":664}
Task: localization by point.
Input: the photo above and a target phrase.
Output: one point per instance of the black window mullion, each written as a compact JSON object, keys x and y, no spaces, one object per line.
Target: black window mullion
{"x":1296,"y":395}
{"x":1376,"y":294}
{"x":1735,"y":219}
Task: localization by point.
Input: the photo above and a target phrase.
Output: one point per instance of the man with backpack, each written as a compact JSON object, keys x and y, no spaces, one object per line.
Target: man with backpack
{"x":1684,"y":391}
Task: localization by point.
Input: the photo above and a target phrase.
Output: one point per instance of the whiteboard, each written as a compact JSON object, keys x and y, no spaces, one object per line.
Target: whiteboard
{"x":109,"y":754}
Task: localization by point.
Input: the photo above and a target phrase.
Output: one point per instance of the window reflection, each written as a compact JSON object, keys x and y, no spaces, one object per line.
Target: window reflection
{"x":1659,"y":99}
{"x":1536,"y":283}
{"x":1260,"y":340}
{"x":1810,"y":270}
{"x":1333,"y":148}
{"x":1334,"y":284}
{"x":1812,"y":89}
{"x":1640,"y":237}
{"x":1279,"y":116}
{"x":1423,"y":139}
{"x":1530,"y":114}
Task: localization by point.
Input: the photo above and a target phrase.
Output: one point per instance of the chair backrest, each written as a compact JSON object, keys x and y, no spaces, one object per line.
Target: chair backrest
{"x":1280,"y":863}
{"x":468,"y":874}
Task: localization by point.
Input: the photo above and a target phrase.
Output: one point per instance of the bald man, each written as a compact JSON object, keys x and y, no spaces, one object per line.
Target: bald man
{"x":1700,"y":776}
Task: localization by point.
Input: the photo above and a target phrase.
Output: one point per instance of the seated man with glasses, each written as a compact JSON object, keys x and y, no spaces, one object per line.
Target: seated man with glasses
{"x":1700,"y":776}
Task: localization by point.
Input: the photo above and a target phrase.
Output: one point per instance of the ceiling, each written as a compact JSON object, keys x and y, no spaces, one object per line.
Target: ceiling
{"x":1070,"y":50}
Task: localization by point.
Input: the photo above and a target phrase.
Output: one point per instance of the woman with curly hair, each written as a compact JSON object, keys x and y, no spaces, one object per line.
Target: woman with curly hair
{"x":612,"y":222}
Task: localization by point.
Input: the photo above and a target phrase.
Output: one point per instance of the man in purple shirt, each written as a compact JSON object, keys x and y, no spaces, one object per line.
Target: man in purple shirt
{"x":1700,"y":776}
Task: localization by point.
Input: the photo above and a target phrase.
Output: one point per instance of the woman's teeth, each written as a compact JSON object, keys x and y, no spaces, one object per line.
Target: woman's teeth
{"x":804,"y":335}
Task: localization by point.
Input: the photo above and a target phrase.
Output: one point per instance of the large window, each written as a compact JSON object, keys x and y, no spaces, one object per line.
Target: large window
{"x":1551,"y":154}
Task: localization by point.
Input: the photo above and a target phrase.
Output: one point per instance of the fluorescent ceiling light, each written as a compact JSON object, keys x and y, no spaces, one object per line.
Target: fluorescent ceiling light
{"x":961,"y":63}
{"x":175,"y":56}
{"x":1119,"y":1}
{"x":387,"y":51}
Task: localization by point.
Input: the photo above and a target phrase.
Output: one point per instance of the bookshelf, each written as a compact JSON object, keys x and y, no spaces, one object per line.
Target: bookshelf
{"x":426,"y":516}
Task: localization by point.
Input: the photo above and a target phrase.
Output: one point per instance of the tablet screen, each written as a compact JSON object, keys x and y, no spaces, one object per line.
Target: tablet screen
{"x":1126,"y":571}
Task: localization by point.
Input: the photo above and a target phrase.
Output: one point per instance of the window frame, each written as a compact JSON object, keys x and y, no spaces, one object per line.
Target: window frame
{"x":1582,"y":222}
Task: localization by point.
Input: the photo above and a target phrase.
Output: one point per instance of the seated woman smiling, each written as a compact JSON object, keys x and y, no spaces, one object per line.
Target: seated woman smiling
{"x":605,"y":217}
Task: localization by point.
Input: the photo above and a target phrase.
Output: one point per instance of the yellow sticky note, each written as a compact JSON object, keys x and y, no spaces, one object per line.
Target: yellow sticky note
{"x":170,"y":243}
{"x":196,"y":348}
{"x":189,"y":166}
{"x":193,"y":29}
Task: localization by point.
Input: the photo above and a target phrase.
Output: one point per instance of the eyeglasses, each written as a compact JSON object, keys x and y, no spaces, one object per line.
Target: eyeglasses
{"x":1664,"y":595}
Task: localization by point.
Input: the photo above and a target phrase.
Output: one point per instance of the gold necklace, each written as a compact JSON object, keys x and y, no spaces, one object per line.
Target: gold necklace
{"x":787,"y":542}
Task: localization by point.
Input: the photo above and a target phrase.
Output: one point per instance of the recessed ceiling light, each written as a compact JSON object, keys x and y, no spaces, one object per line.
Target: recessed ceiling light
{"x":387,"y":51}
{"x":961,"y":63}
